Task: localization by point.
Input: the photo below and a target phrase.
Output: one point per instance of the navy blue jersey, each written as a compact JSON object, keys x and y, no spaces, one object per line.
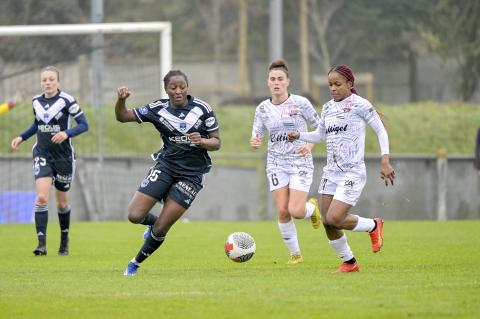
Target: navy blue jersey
{"x":53,"y":115}
{"x":177,"y":154}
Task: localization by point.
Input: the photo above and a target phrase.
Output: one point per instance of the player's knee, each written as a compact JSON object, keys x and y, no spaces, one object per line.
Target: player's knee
{"x":135,"y":216}
{"x":283,"y":214}
{"x":333,"y":221}
{"x":297,"y":212}
{"x":42,"y":200}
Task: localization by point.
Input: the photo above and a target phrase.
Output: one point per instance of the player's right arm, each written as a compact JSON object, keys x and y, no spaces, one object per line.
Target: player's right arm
{"x":15,"y":144}
{"x":257,"y":130}
{"x":121,"y":112}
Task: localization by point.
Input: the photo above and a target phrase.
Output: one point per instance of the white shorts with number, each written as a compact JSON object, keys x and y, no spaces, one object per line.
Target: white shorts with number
{"x":344,"y":186}
{"x":297,"y":177}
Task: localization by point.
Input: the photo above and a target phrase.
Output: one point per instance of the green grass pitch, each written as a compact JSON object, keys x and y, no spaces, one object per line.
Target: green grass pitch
{"x":426,"y":269}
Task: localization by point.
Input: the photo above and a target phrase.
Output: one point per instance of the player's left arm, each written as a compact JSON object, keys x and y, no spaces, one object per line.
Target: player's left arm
{"x":386,"y":170}
{"x":212,"y":143}
{"x":81,"y":127}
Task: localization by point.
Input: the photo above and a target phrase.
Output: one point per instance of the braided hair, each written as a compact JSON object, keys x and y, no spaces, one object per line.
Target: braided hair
{"x":347,"y":73}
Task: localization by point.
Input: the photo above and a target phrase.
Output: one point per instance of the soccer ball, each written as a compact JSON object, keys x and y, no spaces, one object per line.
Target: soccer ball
{"x":240,"y":247}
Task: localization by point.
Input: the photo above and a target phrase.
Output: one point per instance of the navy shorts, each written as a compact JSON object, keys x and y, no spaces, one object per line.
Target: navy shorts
{"x":161,"y":184}
{"x":61,"y":171}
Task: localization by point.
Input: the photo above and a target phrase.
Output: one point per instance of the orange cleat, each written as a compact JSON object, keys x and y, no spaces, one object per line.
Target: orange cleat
{"x":376,"y":236}
{"x":344,"y":267}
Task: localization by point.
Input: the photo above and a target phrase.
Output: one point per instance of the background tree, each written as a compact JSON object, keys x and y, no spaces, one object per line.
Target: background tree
{"x":453,"y":32}
{"x":43,"y":49}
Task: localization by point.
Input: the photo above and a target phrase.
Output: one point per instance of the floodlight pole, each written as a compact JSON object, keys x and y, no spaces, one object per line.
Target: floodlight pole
{"x":276,"y":30}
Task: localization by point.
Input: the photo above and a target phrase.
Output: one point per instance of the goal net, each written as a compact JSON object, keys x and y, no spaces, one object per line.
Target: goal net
{"x":93,"y":59}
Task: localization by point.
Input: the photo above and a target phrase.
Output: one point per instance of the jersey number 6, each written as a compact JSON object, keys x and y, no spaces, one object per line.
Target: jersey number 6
{"x":274,"y":179}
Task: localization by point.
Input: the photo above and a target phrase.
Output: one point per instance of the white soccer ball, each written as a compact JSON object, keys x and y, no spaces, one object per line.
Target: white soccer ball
{"x":240,"y":247}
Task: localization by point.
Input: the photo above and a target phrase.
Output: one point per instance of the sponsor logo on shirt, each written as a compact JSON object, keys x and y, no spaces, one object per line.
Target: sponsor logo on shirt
{"x":74,"y":108}
{"x":336,"y":129}
{"x":179,"y":139}
{"x":165,"y":122}
{"x":47,"y":128}
{"x":197,"y":124}
{"x":210,"y":121}
{"x":278,"y":137}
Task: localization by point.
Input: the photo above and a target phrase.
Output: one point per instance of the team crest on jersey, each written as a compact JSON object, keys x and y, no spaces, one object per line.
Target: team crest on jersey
{"x":144,"y":182}
{"x":197,"y":124}
{"x":183,"y":126}
{"x":73,"y":108}
{"x":210,"y":121}
{"x":143,"y":110}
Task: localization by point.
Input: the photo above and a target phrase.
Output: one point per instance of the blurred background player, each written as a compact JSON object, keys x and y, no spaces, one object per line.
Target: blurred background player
{"x":289,"y":166}
{"x":189,"y":129}
{"x":6,"y":107}
{"x":53,"y":153}
{"x":342,"y":125}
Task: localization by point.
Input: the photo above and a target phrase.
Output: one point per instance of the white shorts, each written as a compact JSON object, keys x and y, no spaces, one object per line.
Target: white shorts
{"x":344,"y":186}
{"x":296,"y":177}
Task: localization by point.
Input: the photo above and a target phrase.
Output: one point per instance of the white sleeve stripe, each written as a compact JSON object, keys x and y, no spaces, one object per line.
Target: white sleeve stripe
{"x":212,"y":129}
{"x":139,"y":120}
{"x":67,"y":96}
{"x":207,"y":107}
{"x":78,"y":114}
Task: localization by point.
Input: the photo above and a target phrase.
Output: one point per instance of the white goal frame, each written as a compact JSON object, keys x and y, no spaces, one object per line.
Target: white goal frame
{"x":163,"y":28}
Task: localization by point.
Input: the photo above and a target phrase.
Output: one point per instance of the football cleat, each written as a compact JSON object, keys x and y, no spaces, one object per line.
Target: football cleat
{"x":344,"y":267}
{"x":295,"y":259}
{"x":131,"y":269}
{"x":376,"y":236}
{"x":63,"y":250}
{"x":147,"y":232}
{"x":315,"y":218}
{"x":41,"y":250}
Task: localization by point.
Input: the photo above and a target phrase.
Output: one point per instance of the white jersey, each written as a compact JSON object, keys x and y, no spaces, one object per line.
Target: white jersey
{"x":342,"y":125}
{"x":275,"y":121}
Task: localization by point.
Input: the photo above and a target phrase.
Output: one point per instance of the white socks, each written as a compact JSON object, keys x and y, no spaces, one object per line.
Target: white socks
{"x":310,"y":210}
{"x":342,"y":248}
{"x":364,"y":224}
{"x":289,"y":236}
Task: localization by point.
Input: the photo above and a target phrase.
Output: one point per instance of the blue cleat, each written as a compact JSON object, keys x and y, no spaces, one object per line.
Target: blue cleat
{"x":131,"y":269}
{"x":147,"y":232}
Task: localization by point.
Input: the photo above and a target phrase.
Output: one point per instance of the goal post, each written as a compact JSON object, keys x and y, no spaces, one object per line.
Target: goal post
{"x":138,"y":55}
{"x":163,"y":28}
